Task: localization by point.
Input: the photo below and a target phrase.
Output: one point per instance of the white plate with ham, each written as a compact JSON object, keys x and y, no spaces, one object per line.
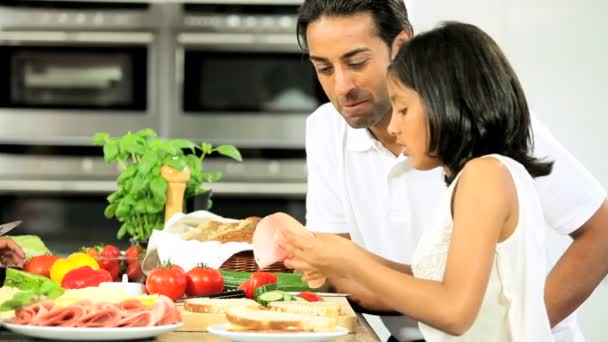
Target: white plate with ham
{"x":90,"y":334}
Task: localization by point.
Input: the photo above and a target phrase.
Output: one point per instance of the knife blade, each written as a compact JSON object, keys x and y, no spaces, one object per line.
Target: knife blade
{"x":7,"y":227}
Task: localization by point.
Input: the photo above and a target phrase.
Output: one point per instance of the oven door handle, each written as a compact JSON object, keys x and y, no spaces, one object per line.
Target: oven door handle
{"x":25,"y":37}
{"x":233,"y":189}
{"x":240,"y":41}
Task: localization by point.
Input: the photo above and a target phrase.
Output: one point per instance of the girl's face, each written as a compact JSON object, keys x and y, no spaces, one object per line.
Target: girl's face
{"x":409,"y":124}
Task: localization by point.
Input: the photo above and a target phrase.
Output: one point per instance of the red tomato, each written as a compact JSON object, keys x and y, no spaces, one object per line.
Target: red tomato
{"x":109,"y":261}
{"x":258,"y":279}
{"x":133,"y":253}
{"x":166,"y":281}
{"x":310,"y":296}
{"x":203,"y":281}
{"x":134,"y":271}
{"x":92,"y":251}
{"x":40,"y":265}
{"x":110,"y":251}
{"x":177,"y":268}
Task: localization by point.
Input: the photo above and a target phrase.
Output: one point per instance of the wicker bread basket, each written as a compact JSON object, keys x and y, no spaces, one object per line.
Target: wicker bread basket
{"x":244,"y":262}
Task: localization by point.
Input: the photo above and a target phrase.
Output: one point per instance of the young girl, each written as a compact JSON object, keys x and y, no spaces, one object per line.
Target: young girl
{"x":478,"y":272}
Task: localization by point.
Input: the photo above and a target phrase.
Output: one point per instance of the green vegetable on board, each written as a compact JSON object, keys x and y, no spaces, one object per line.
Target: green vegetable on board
{"x":35,"y":288}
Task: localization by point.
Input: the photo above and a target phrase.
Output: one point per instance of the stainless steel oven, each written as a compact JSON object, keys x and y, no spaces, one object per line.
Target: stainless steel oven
{"x":71,"y":69}
{"x":241,"y":77}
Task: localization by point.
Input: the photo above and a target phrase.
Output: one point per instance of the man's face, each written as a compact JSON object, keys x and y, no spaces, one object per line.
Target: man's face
{"x":351,"y":61}
{"x":409,"y":125}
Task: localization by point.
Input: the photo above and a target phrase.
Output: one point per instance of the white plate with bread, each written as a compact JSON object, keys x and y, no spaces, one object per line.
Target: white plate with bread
{"x":223,"y":331}
{"x":249,"y":324}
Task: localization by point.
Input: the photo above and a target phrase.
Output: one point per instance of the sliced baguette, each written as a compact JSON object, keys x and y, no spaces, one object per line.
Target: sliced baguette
{"x":218,"y":305}
{"x":323,"y":309}
{"x":243,"y":318}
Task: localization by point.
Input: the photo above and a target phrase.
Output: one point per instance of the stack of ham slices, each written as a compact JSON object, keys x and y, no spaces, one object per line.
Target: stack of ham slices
{"x":89,"y":314}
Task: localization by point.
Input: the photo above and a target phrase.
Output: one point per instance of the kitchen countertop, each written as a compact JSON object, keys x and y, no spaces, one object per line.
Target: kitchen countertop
{"x":364,"y":333}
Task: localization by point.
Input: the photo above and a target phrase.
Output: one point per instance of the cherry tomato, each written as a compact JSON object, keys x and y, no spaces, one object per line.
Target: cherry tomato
{"x":40,"y":265}
{"x":310,"y":296}
{"x":134,"y":271}
{"x":92,"y":251}
{"x":108,"y":260}
{"x":166,"y":281}
{"x":203,"y":281}
{"x":133,"y":253}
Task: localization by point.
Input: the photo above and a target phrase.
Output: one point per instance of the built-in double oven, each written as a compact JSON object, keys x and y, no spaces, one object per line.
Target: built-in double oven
{"x":241,"y":76}
{"x":70,"y":70}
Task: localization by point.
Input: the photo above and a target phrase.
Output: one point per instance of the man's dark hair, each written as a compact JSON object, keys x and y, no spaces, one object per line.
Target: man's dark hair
{"x":473,"y":99}
{"x":390,"y":16}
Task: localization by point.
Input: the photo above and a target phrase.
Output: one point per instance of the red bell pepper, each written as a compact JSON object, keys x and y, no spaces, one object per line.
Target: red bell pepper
{"x":85,"y":276}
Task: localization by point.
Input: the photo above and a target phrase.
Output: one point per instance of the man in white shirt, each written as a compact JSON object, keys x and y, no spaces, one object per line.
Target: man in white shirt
{"x":360,"y":186}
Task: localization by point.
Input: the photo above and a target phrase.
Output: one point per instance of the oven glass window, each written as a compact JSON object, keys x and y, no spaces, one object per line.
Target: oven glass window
{"x":79,"y":78}
{"x":250,"y":82}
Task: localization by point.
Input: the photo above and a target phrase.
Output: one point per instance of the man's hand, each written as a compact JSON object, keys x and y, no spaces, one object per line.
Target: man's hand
{"x":580,"y":269}
{"x":10,"y":252}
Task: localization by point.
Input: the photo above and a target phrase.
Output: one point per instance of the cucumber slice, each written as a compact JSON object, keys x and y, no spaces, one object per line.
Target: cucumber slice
{"x":263,"y":289}
{"x":271,"y":296}
{"x":299,"y":299}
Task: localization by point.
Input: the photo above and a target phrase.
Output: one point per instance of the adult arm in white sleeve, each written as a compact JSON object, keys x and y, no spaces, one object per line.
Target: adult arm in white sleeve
{"x":574,"y":203}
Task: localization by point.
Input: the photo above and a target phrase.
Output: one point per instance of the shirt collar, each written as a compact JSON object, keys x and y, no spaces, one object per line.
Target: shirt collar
{"x":360,"y":139}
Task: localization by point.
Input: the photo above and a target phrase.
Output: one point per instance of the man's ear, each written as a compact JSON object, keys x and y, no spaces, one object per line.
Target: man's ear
{"x":401,"y":38}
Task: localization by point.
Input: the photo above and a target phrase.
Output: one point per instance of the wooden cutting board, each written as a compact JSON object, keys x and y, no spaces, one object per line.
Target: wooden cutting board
{"x":194,"y":321}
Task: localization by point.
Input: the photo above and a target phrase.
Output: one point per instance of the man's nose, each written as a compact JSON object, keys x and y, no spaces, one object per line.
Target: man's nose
{"x":344,"y":82}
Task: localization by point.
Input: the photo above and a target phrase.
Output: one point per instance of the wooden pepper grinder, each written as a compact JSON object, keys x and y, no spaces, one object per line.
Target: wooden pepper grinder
{"x":176,"y":187}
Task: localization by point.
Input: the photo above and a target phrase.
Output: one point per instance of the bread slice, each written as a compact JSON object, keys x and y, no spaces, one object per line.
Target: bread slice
{"x":243,"y":318}
{"x":235,"y":232}
{"x":323,"y":309}
{"x":218,"y":305}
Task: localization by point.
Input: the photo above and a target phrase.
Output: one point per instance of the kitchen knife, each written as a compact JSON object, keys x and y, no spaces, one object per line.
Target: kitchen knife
{"x":7,"y":227}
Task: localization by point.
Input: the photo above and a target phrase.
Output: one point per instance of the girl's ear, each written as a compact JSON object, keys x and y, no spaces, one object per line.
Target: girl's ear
{"x":401,"y":38}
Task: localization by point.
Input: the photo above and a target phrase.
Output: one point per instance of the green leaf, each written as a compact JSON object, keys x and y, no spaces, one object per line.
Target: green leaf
{"x":132,"y":144}
{"x":194,"y":164}
{"x":214,"y":176}
{"x":153,"y":207}
{"x":127,"y":174}
{"x":158,"y":186}
{"x":140,"y":207}
{"x":148,"y":161}
{"x":114,"y":196}
{"x":229,"y":151}
{"x":101,"y":138}
{"x":110,"y":210}
{"x":123,"y":210}
{"x":122,"y":231}
{"x":182,"y":144}
{"x":110,"y":151}
{"x":146,"y":132}
{"x":206,"y":148}
{"x":176,"y":163}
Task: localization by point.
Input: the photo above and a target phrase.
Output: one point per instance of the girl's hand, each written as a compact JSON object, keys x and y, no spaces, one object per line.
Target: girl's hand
{"x":326,"y":254}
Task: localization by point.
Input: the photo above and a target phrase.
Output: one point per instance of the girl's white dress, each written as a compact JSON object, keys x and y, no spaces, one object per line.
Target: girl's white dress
{"x":513,"y":308}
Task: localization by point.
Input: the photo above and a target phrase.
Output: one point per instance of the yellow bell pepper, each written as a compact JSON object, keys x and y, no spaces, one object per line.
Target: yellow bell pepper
{"x":76,"y":260}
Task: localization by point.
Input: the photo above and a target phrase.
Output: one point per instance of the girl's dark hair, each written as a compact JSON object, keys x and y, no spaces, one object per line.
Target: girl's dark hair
{"x":474,"y":102}
{"x":390,"y":16}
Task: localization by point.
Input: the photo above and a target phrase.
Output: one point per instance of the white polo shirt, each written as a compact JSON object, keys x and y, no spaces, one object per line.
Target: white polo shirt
{"x":357,"y":186}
